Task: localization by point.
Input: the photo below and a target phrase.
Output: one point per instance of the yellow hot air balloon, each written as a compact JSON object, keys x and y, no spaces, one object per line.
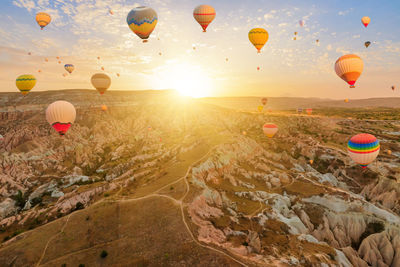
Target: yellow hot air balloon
{"x":25,"y":83}
{"x":349,"y":68}
{"x":258,"y":37}
{"x":365,"y":21}
{"x":142,"y":21}
{"x":43,"y":19}
{"x":260,"y":108}
{"x":101,"y":82}
{"x":204,"y":15}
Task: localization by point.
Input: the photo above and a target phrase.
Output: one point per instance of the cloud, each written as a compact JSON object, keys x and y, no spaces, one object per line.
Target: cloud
{"x":345,"y":12}
{"x":28,"y":4}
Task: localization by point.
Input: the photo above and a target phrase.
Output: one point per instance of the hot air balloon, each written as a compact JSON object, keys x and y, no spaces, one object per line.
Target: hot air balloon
{"x":117,"y":74}
{"x":25,"y":83}
{"x":311,"y":161}
{"x":294,"y":38}
{"x":57,"y":57}
{"x":204,"y":15}
{"x":111,"y":12}
{"x":244,"y":133}
{"x":258,"y":68}
{"x":64,"y":75}
{"x":389,"y":152}
{"x":226,"y":59}
{"x":59,"y":62}
{"x":101,"y":82}
{"x":60,"y":115}
{"x":102,"y":68}
{"x":142,"y":21}
{"x":270,"y":129}
{"x":104,"y":108}
{"x":363,"y":148}
{"x":264,"y":100}
{"x":309,"y":111}
{"x":295,"y":33}
{"x":393,"y":87}
{"x":43,"y":19}
{"x":46,"y":59}
{"x":317,"y":41}
{"x":258,"y":37}
{"x":349,"y":68}
{"x":301,"y":23}
{"x":299,"y":110}
{"x":98,"y":58}
{"x":69,"y":67}
{"x":365,"y":21}
{"x":160,"y":53}
{"x":367,"y":44}
{"x":260,"y":108}
{"x":29,"y":54}
{"x":346,"y":100}
{"x":39,"y":71}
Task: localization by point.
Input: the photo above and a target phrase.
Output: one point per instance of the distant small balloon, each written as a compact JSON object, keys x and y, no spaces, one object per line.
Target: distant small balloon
{"x":346,"y":100}
{"x":301,"y":23}
{"x":393,"y":87}
{"x":160,"y":53}
{"x":389,"y":152}
{"x":244,"y":133}
{"x":309,"y":111}
{"x":104,"y":108}
{"x":59,"y":62}
{"x":260,"y":108}
{"x":311,"y":161}
{"x":295,"y":33}
{"x":117,"y":74}
{"x":58,"y":57}
{"x":98,"y":57}
{"x":111,"y":12}
{"x":258,"y":68}
{"x":46,"y":59}
{"x":102,"y":68}
{"x":270,"y":129}
{"x":29,"y":53}
{"x":367,"y":44}
{"x":365,"y":21}
{"x":39,"y":71}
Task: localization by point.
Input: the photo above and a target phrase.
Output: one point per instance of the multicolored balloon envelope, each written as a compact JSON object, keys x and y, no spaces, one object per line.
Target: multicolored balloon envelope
{"x":25,"y":83}
{"x":363,"y":149}
{"x":309,"y":111}
{"x":365,"y":21}
{"x":69,"y":67}
{"x":61,"y":115}
{"x":204,"y":15}
{"x":349,"y":68}
{"x":270,"y":129}
{"x":43,"y":19}
{"x":142,"y":21}
{"x":258,"y":37}
{"x":101,"y":82}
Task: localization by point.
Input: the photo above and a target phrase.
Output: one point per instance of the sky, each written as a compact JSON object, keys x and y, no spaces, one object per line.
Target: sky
{"x":82,"y":30}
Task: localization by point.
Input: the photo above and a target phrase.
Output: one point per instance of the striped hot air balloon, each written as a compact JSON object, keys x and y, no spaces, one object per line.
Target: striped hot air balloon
{"x":61,"y":115}
{"x":25,"y":83}
{"x":101,"y":82}
{"x":43,"y":19}
{"x":258,"y":37}
{"x":204,"y":15}
{"x":69,"y":67}
{"x":142,"y":21}
{"x":270,"y":129}
{"x":309,"y":111}
{"x":349,"y":68}
{"x":363,"y":148}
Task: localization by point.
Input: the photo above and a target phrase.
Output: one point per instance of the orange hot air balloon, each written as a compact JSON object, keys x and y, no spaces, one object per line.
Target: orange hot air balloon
{"x":311,"y":161}
{"x":389,"y":152}
{"x":57,"y":57}
{"x":365,"y":21}
{"x":102,"y":68}
{"x":270,"y":129}
{"x":111,"y":12}
{"x":349,"y":68}
{"x":46,"y":59}
{"x":244,"y":133}
{"x":59,"y":62}
{"x":98,"y":58}
{"x":43,"y":19}
{"x":264,"y":100}
{"x":39,"y":71}
{"x":104,"y":108}
{"x":64,"y":75}
{"x":309,"y":111}
{"x":204,"y":15}
{"x":258,"y":37}
{"x":117,"y":74}
{"x":346,"y":100}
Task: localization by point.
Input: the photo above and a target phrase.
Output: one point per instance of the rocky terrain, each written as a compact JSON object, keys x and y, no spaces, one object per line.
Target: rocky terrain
{"x":160,"y":180}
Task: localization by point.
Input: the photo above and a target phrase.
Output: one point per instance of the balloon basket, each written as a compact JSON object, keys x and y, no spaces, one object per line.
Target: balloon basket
{"x":145,"y":41}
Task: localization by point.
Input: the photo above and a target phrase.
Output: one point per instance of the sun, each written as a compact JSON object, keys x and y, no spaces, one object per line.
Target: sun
{"x":188,"y":80}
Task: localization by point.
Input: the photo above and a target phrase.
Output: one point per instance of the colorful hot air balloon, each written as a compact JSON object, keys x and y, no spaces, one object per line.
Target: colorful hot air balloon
{"x":142,"y":21}
{"x":264,"y":100}
{"x":104,"y":108}
{"x":101,"y":82}
{"x":367,"y":44}
{"x":25,"y":83}
{"x":270,"y":129}
{"x":204,"y":15}
{"x":301,"y":23}
{"x":309,"y":111}
{"x":365,"y":21}
{"x":299,"y":110}
{"x":349,"y":68}
{"x":43,"y":19}
{"x":260,"y":108}
{"x":60,"y":115}
{"x":258,"y":37}
{"x":69,"y":67}
{"x":363,"y":148}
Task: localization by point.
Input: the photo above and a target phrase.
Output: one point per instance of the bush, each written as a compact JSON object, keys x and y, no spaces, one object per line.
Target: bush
{"x":79,"y":206}
{"x":103,"y":254}
{"x":19,"y":199}
{"x":81,"y":265}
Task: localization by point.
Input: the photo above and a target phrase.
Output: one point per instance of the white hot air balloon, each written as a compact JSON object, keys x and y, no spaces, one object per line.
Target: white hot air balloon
{"x":61,"y":115}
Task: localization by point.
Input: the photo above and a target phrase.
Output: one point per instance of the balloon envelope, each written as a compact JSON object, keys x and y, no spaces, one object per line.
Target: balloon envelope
{"x":258,"y":37}
{"x":142,"y":21}
{"x":204,"y":15}
{"x":264,"y":101}
{"x":260,"y":108}
{"x":349,"y":68}
{"x":43,"y":19}
{"x":101,"y":82}
{"x":301,"y":23}
{"x":25,"y":83}
{"x":365,"y":21}
{"x":309,"y":111}
{"x":363,"y":148}
{"x":367,"y":44}
{"x":60,"y":115}
{"x":69,"y":67}
{"x":270,"y":129}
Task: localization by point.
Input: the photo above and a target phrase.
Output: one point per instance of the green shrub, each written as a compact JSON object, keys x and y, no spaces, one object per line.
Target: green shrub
{"x":103,"y":254}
